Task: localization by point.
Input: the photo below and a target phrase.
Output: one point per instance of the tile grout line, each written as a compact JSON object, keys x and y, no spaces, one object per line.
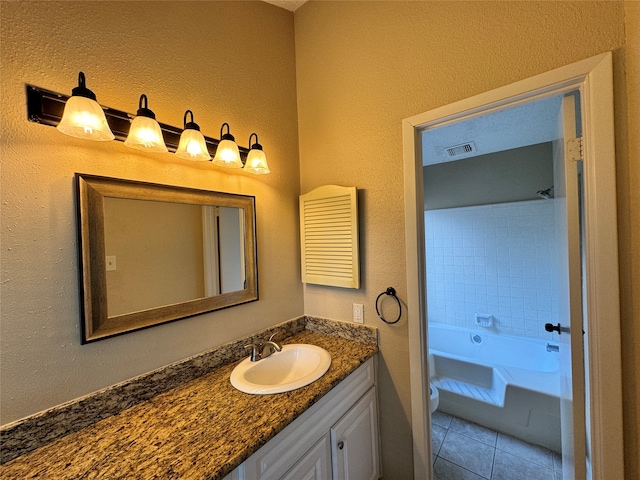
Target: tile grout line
{"x":495,"y":449}
{"x":448,"y":428}
{"x":493,"y":460}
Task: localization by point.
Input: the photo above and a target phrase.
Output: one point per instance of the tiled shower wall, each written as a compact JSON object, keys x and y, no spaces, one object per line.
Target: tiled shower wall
{"x":495,"y":260}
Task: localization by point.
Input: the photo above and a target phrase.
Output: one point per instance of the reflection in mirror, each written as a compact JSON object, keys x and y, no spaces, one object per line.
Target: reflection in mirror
{"x":154,"y":253}
{"x":229,"y":230}
{"x":200,"y":247}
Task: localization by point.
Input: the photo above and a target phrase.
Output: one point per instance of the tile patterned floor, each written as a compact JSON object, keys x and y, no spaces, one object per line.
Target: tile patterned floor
{"x":465,"y":451}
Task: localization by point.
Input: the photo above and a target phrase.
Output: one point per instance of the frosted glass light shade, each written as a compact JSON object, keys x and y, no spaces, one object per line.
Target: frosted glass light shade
{"x":228,"y":154}
{"x":192,"y":146}
{"x":84,"y":118}
{"x":256,"y":162}
{"x":145,"y":134}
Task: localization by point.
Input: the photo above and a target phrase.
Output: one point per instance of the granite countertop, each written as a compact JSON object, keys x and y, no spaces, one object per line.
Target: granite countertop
{"x":202,"y":429}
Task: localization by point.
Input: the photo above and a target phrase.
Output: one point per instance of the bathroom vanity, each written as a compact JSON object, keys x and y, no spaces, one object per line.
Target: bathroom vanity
{"x":205,"y":428}
{"x":337,"y":438}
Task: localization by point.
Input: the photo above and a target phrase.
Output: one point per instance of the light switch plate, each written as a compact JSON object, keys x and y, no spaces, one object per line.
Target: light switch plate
{"x":111,"y":263}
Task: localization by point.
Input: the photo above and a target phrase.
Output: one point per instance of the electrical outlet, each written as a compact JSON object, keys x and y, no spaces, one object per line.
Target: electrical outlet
{"x":111,"y":263}
{"x":358,"y":313}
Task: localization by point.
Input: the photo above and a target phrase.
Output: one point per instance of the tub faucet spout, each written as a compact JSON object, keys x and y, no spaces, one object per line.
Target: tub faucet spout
{"x":553,"y":348}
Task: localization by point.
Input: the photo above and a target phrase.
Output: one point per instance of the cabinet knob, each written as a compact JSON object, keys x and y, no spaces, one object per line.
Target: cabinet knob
{"x":340,"y":445}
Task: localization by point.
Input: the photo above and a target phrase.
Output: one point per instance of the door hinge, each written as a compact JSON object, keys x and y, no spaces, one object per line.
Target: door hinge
{"x":574,"y":149}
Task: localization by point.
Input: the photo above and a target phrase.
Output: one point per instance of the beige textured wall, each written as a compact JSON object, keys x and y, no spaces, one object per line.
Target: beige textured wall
{"x":159,"y":254}
{"x":364,"y":66}
{"x":227,"y":61}
{"x":628,"y":159}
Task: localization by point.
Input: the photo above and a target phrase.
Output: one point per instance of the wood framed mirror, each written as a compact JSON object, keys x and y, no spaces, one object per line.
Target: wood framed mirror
{"x":151,"y":254}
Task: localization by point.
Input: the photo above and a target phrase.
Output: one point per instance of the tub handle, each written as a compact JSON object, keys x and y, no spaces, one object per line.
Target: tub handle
{"x":549,"y":327}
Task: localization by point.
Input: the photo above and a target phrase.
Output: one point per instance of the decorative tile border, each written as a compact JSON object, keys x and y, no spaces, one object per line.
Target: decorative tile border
{"x":28,"y":434}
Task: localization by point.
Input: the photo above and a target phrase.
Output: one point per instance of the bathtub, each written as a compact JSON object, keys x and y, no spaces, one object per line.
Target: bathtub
{"x":510,"y":384}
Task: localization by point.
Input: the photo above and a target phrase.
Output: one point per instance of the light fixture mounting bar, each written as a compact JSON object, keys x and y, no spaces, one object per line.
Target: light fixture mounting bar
{"x":46,"y":107}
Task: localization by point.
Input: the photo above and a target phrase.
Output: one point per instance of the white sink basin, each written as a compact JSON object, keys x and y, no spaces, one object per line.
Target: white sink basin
{"x":297,"y":365}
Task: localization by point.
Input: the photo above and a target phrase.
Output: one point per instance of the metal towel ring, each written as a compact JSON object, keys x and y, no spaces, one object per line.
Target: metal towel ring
{"x":391,"y":292}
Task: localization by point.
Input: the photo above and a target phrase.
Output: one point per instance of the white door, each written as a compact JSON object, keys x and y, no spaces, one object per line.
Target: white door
{"x":210,"y":250}
{"x":567,"y":168}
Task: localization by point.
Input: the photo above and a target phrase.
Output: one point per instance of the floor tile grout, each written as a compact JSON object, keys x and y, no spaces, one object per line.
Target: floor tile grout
{"x":462,"y":428}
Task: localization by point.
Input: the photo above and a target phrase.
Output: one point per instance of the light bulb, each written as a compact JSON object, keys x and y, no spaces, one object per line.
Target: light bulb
{"x":256,"y":159}
{"x":227,"y":153}
{"x":83,"y":117}
{"x":145,"y":132}
{"x":192,"y":145}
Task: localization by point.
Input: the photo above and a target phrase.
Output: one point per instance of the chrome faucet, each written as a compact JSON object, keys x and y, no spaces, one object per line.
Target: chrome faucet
{"x":255,"y":351}
{"x":263,"y":350}
{"x":269,"y":347}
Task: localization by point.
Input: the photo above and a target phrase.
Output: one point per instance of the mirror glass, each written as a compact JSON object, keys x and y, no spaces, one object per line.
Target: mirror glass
{"x":155,"y":253}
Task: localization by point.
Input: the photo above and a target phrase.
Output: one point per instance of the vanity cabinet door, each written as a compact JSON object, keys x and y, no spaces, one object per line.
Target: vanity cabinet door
{"x":354,"y":442}
{"x":315,"y":464}
{"x":237,"y":474}
{"x":305,"y":449}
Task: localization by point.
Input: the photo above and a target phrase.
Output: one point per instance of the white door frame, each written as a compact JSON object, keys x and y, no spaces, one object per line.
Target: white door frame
{"x":594,"y":78}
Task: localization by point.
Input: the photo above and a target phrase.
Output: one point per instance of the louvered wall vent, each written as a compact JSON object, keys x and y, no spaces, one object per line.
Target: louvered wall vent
{"x":463,"y":149}
{"x":329,"y":236}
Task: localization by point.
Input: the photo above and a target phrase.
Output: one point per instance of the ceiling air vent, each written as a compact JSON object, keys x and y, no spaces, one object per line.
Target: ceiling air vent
{"x":463,"y":149}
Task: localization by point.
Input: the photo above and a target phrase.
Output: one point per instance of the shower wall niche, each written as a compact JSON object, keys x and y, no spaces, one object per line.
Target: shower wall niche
{"x":496,"y":260}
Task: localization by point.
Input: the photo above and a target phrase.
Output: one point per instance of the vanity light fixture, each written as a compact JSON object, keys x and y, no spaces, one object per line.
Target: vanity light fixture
{"x":227,"y":154}
{"x":145,"y":133}
{"x":192,"y":144}
{"x":83,"y":117}
{"x":56,"y":109}
{"x":256,"y":159}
